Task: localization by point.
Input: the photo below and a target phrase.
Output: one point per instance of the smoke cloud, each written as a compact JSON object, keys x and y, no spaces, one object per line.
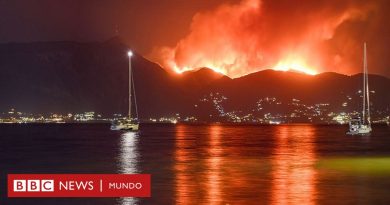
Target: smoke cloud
{"x":306,"y":35}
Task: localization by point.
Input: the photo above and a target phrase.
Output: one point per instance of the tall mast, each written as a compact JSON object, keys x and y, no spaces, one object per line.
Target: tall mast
{"x":366,"y":79}
{"x":364,"y":84}
{"x":130,"y":54}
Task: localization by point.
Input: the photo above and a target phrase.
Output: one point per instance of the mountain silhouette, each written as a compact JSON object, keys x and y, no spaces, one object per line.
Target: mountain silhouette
{"x":71,"y":77}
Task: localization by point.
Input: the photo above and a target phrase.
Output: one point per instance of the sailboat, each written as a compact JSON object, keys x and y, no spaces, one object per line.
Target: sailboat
{"x":128,"y":123}
{"x":363,"y":125}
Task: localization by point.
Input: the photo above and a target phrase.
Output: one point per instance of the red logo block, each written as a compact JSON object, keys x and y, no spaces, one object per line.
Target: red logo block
{"x":79,"y":185}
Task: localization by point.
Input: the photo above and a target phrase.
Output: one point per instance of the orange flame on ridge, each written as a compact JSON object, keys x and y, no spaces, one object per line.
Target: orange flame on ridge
{"x":238,"y":39}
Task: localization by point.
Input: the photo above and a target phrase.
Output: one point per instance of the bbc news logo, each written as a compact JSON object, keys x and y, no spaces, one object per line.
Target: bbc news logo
{"x":79,"y":185}
{"x":33,"y":185}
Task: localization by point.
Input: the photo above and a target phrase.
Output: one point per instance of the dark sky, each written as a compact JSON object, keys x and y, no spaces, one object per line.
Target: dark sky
{"x":142,"y":23}
{"x":235,"y":37}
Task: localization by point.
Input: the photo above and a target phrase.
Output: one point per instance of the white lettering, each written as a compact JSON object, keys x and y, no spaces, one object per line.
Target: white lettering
{"x":129,"y":185}
{"x":76,"y":185}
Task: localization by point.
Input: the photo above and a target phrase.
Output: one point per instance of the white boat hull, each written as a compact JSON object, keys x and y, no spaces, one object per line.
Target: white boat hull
{"x":359,"y":130}
{"x":126,"y":126}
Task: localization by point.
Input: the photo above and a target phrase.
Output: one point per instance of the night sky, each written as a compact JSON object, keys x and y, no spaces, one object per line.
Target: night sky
{"x":234,"y":37}
{"x":143,"y":24}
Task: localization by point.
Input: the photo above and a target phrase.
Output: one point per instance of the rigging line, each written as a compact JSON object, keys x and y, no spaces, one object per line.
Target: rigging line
{"x":135,"y":98}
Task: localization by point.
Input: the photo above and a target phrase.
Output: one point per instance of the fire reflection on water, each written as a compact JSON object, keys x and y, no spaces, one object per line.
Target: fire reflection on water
{"x":198,"y":170}
{"x":294,"y":176}
{"x":220,"y":165}
{"x":213,"y":163}
{"x":184,"y":181}
{"x":204,"y":172}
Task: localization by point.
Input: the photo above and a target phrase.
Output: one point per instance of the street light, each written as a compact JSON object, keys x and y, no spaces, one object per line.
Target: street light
{"x":130,"y":53}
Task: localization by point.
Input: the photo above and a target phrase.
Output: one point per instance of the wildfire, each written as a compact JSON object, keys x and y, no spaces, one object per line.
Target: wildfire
{"x":185,"y":68}
{"x":295,"y":64}
{"x":236,"y":39}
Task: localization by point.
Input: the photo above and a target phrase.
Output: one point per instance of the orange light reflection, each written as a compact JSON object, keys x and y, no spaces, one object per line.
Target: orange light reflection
{"x":183,"y":156}
{"x":213,"y":163}
{"x":293,"y":176}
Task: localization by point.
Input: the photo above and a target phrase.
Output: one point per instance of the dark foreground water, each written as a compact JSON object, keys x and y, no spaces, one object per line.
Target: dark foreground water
{"x":209,"y":164}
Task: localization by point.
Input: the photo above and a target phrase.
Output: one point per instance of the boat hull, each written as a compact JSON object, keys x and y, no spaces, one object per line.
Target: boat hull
{"x":126,"y":126}
{"x":361,"y":130}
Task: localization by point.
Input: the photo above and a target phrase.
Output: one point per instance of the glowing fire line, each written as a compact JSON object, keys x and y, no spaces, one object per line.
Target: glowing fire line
{"x":288,"y":64}
{"x":294,"y":64}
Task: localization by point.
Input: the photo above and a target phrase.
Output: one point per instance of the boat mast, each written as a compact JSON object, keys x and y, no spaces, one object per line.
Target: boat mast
{"x":130,"y":54}
{"x":366,"y":79}
{"x":364,"y":84}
